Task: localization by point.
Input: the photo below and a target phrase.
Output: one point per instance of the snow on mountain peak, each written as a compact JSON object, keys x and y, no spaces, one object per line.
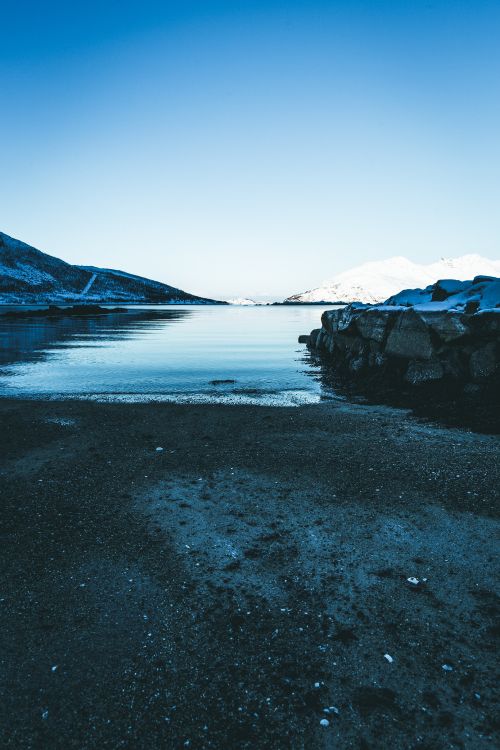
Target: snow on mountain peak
{"x":244,"y":301}
{"x":375,"y":281}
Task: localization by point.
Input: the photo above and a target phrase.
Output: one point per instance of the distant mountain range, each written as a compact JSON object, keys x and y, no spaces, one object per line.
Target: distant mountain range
{"x":29,"y":276}
{"x":375,"y":282}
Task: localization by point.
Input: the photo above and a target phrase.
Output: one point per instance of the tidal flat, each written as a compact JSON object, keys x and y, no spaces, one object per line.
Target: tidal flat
{"x":213,"y":576}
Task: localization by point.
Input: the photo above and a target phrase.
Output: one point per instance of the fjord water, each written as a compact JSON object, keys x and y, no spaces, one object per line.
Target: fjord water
{"x":178,"y":353}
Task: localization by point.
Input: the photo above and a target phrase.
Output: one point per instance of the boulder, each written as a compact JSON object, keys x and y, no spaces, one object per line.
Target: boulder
{"x":346,"y":321}
{"x":419,"y":372}
{"x":350,"y":346}
{"x":410,"y":337}
{"x":304,"y":339}
{"x":484,"y":361}
{"x":443,"y":288}
{"x":448,"y":326}
{"x":314,"y":338}
{"x":329,"y":320}
{"x":372,"y":324}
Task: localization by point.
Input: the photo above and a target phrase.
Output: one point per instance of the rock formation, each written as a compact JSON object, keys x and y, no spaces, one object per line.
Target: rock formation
{"x":448,"y":332}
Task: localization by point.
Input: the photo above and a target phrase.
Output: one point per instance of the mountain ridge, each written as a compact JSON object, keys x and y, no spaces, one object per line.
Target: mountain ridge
{"x":31,"y":276}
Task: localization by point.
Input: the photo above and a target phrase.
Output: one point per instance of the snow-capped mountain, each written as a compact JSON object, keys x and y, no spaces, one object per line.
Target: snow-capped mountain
{"x":29,"y":276}
{"x":374,"y":282}
{"x":241,"y":301}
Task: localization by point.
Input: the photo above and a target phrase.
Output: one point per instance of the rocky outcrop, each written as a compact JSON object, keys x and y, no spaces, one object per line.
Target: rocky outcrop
{"x":447,"y":332}
{"x":411,"y":346}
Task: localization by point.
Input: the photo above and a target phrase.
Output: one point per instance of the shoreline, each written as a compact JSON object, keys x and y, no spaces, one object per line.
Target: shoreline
{"x":248,"y":580}
{"x":107,"y":305}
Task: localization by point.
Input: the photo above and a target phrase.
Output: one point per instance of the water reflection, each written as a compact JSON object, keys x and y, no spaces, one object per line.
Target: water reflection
{"x":24,"y":339}
{"x":186,"y":353}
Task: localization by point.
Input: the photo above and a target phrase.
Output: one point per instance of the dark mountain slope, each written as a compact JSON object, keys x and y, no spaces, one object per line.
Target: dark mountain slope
{"x":30,"y":276}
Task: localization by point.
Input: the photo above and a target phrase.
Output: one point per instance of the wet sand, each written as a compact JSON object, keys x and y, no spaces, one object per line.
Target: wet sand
{"x":247,"y":581}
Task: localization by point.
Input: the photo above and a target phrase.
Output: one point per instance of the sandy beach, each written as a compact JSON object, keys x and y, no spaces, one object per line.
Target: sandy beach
{"x":313,"y":577}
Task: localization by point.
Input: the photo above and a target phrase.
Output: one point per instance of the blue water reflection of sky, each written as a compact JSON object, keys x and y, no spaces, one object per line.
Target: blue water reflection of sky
{"x":157,"y":353}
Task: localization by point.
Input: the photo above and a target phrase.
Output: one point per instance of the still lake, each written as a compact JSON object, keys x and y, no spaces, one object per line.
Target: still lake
{"x":175,"y":353}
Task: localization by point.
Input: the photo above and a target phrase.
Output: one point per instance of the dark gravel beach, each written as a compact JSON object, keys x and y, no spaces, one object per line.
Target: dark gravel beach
{"x":314,"y":577}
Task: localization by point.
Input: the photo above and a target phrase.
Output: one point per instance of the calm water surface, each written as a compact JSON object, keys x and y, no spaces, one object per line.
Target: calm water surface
{"x":169,"y":354}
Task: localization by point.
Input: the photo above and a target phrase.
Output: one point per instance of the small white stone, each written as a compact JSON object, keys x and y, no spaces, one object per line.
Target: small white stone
{"x":413,"y":580}
{"x":317,"y":684}
{"x":324,"y":723}
{"x":53,"y":669}
{"x":159,"y":449}
{"x":389,"y":658}
{"x":447,"y":668}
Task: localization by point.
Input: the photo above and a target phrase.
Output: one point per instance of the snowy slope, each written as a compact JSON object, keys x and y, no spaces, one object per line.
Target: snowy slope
{"x":25,"y":270}
{"x":241,"y":301}
{"x":28,"y":275}
{"x":376,"y":281}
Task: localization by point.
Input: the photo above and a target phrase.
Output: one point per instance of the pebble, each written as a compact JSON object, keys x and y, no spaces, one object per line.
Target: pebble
{"x":324,"y":723}
{"x":389,"y":658}
{"x":447,"y":668}
{"x":159,"y":449}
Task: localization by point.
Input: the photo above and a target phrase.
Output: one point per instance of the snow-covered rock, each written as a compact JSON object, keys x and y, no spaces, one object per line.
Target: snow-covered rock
{"x":28,"y":275}
{"x":376,"y":281}
{"x":482,"y":293}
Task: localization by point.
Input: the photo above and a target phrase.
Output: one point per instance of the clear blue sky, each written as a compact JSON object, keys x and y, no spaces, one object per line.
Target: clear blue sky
{"x":250,"y":147}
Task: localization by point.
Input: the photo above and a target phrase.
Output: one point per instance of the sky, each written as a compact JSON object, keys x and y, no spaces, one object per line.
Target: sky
{"x":247,"y":148}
